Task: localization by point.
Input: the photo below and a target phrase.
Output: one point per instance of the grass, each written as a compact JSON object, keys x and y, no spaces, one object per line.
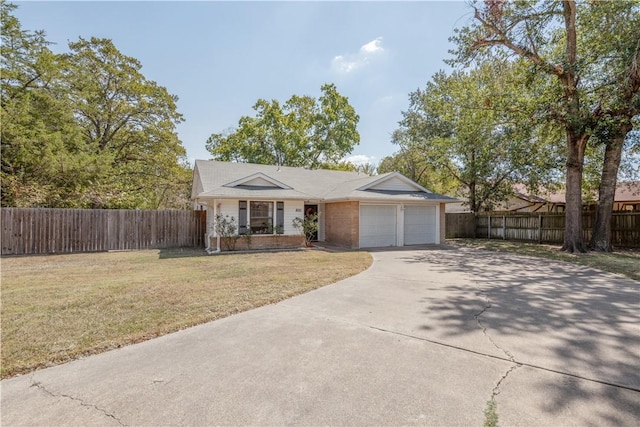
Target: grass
{"x":61,"y":307}
{"x":626,"y":263}
{"x":491,"y":413}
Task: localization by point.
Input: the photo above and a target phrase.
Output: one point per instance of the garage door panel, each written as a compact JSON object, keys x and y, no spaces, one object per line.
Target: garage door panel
{"x":419,"y":225}
{"x":377,"y":226}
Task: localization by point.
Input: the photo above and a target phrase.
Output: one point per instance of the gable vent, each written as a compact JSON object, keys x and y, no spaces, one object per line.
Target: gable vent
{"x":393,"y":184}
{"x":259,"y":182}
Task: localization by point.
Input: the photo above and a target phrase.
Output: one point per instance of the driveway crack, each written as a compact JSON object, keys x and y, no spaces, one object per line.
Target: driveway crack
{"x":484,"y":328}
{"x":491,"y":411}
{"x":41,"y":387}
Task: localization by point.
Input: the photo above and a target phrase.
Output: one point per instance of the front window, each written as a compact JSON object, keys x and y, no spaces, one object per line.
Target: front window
{"x":261,"y":217}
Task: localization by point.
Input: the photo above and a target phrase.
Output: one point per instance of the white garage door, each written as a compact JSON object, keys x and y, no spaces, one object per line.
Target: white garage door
{"x":419,"y":225}
{"x":377,"y":226}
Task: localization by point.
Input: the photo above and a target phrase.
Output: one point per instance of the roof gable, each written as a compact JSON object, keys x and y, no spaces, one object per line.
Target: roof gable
{"x":393,"y":182}
{"x":258,"y":179}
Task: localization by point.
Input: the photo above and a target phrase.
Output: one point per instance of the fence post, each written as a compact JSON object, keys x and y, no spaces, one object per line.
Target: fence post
{"x":539,"y":228}
{"x":504,"y":227}
{"x":489,"y":227}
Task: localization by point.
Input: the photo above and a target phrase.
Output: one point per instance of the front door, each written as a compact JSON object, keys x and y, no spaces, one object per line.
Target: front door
{"x":310,"y":210}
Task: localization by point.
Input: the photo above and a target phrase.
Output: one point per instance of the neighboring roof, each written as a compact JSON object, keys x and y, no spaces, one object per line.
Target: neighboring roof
{"x":545,"y":196}
{"x":625,"y":192}
{"x":214,"y":179}
{"x":628,"y":191}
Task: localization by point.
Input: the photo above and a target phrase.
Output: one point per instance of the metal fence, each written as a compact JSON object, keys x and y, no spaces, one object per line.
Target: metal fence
{"x":47,"y":231}
{"x":539,"y":227}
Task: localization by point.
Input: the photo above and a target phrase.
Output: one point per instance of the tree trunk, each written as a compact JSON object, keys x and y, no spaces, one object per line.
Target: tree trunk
{"x":601,"y":237}
{"x":573,"y":236}
{"x":473,"y":202}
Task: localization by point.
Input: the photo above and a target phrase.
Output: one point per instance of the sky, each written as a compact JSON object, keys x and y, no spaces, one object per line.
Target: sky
{"x":219,"y":58}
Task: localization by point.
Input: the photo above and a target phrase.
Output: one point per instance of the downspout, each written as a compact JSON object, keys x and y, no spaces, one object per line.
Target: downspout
{"x":213,"y":233}
{"x":206,"y":236}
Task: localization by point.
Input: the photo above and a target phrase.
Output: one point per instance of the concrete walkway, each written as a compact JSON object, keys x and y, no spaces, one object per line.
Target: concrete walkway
{"x":424,"y":337}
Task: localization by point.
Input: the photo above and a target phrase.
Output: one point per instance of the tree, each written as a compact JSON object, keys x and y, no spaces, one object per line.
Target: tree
{"x":38,"y":133}
{"x":304,"y":132}
{"x":85,"y":129}
{"x":467,"y":126}
{"x":612,"y":32}
{"x":546,"y":35}
{"x":409,"y":162}
{"x":128,"y":121}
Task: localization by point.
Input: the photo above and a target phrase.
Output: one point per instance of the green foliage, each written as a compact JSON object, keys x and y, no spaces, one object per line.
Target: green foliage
{"x":491,"y":414}
{"x":85,"y":128}
{"x":472,"y":130}
{"x":248,"y":237}
{"x":339,"y":166}
{"x":227,"y":229}
{"x":128,"y":120}
{"x":304,"y":132}
{"x":40,"y":141}
{"x":307,"y":226}
{"x":584,"y":57}
{"x":410,"y":162}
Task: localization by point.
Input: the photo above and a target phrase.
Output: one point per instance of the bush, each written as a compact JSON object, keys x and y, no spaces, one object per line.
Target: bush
{"x":307,"y":226}
{"x":227,"y":228}
{"x":248,"y":237}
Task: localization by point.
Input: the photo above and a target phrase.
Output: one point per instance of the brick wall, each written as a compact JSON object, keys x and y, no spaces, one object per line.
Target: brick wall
{"x":342,"y":224}
{"x":264,"y":242}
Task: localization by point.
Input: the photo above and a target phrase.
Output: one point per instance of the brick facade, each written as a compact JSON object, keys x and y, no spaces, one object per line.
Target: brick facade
{"x":263,"y":242}
{"x":342,"y":224}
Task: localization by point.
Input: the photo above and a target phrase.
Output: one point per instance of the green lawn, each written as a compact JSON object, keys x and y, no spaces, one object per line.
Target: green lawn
{"x":624,"y":262}
{"x":57,"y":308}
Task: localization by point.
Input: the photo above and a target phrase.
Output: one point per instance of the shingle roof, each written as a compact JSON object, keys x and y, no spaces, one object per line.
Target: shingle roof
{"x":628,"y":191}
{"x":625,"y":192}
{"x":317,"y":184}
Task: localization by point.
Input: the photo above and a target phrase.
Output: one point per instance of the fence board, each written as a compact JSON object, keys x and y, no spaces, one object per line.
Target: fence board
{"x":540,"y":227}
{"x":41,"y":231}
{"x":459,"y":225}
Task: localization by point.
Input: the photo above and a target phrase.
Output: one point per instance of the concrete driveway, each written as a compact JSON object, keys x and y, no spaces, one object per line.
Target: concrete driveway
{"x":424,"y":337}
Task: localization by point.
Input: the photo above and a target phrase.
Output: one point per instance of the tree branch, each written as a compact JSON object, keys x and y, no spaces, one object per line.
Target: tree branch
{"x":503,"y":40}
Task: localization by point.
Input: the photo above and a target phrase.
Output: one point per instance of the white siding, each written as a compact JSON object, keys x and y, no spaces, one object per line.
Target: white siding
{"x":197,"y":187}
{"x":260,"y":182}
{"x":394,"y":184}
{"x":229,"y":207}
{"x":222,"y":207}
{"x":290,"y":213}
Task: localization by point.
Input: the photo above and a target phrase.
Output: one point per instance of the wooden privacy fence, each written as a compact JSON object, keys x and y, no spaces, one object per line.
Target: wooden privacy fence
{"x":460,"y":225}
{"x":540,"y":227}
{"x":46,"y":231}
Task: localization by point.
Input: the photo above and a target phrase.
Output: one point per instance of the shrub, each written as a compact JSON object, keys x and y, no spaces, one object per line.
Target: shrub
{"x":227,"y":228}
{"x":247,"y":237}
{"x":307,"y":226}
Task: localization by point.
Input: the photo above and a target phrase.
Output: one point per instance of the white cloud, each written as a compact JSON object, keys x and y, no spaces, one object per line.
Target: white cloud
{"x":360,"y":159}
{"x":373,"y":46}
{"x":349,"y":62}
{"x":343,"y":65}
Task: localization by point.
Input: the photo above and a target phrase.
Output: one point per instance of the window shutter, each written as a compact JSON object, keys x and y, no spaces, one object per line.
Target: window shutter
{"x":242,"y":217}
{"x":280,"y":217}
